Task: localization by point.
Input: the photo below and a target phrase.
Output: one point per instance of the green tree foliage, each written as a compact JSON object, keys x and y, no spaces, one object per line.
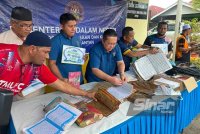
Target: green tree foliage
{"x":196,"y":3}
{"x":195,"y":24}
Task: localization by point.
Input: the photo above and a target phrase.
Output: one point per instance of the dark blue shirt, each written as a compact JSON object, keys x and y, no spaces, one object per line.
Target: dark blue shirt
{"x":56,"y":53}
{"x":124,"y":49}
{"x":103,"y":60}
{"x":155,"y":39}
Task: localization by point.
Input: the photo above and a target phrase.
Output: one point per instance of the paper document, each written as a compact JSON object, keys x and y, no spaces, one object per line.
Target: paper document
{"x":34,"y":86}
{"x":162,"y":47}
{"x":88,"y":86}
{"x":121,"y":92}
{"x":163,"y":90}
{"x":130,"y":76}
{"x":43,"y":127}
{"x":190,"y":84}
{"x":169,"y":91}
{"x":73,"y":55}
{"x":56,"y":120}
{"x":140,"y":49}
{"x":166,"y":82}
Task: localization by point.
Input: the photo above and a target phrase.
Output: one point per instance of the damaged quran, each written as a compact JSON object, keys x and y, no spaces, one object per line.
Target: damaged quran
{"x":144,"y":89}
{"x":110,"y":97}
{"x":89,"y":114}
{"x":106,"y":103}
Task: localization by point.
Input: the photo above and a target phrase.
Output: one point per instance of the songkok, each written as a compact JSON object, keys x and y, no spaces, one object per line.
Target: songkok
{"x":21,"y":13}
{"x":38,"y":39}
{"x":186,"y":26}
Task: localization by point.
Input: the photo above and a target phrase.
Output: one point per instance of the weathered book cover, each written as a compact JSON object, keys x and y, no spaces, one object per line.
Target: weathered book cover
{"x":89,"y":114}
{"x":106,"y":103}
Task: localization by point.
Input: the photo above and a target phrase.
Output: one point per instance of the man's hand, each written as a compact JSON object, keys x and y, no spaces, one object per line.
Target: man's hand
{"x":86,"y":57}
{"x":192,"y":43}
{"x":91,"y":95}
{"x":115,"y":81}
{"x":153,"y":51}
{"x":169,"y":55}
{"x":123,"y":77}
{"x":65,"y":80}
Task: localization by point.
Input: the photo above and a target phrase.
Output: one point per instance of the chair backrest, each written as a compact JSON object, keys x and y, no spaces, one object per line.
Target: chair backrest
{"x":5,"y":106}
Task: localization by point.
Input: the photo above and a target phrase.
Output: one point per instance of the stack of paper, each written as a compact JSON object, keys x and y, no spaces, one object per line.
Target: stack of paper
{"x":130,"y":75}
{"x":166,"y":82}
{"x":121,"y":92}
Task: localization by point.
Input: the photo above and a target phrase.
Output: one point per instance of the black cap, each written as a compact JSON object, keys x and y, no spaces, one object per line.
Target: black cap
{"x":21,"y":13}
{"x":37,"y":38}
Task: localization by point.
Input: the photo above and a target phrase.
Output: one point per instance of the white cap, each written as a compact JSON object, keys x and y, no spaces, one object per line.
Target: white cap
{"x":186,"y":26}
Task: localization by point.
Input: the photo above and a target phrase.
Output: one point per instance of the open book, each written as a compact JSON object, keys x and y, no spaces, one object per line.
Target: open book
{"x":55,"y":121}
{"x":150,"y":65}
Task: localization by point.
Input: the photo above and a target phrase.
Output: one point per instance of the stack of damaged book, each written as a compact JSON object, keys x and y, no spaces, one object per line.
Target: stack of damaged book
{"x":109,"y":97}
{"x":144,"y":89}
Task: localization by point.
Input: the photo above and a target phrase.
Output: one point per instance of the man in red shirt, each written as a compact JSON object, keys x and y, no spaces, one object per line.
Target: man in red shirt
{"x":20,"y":65}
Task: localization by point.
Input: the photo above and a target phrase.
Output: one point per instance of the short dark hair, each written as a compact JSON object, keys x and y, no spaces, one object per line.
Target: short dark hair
{"x":162,"y":23}
{"x":109,"y":33}
{"x":64,"y":18}
{"x":126,"y":30}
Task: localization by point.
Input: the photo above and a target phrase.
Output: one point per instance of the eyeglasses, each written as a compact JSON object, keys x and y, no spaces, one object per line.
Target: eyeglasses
{"x":22,"y":24}
{"x":25,"y":25}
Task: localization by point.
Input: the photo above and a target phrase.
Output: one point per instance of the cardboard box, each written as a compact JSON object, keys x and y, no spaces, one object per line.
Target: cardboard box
{"x":188,"y":81}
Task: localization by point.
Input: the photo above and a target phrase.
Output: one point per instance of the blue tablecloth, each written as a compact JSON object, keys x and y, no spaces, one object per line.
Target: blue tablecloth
{"x":187,"y":110}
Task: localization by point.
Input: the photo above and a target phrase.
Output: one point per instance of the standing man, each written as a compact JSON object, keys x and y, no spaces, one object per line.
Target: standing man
{"x":127,"y":43}
{"x":21,"y":26}
{"x":65,"y":37}
{"x":20,"y":65}
{"x":104,"y":57}
{"x":183,"y":45}
{"x":160,"y":37}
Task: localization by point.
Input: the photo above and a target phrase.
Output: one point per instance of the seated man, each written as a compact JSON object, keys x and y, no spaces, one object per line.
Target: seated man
{"x":104,"y":57}
{"x":183,"y":45}
{"x":22,"y":64}
{"x":160,"y":38}
{"x":126,"y":44}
